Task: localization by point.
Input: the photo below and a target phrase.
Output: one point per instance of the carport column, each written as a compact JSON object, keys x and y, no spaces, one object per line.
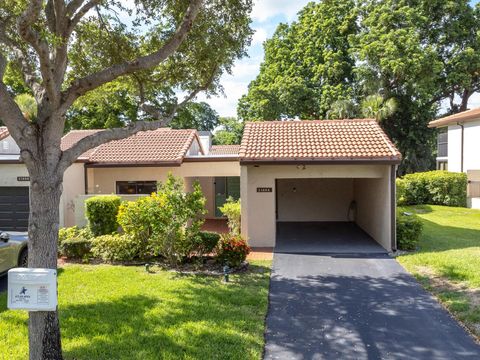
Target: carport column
{"x":393,"y":206}
{"x":244,"y":199}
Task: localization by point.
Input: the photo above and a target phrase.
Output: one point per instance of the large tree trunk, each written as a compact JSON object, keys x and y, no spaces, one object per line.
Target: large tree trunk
{"x":45,"y":192}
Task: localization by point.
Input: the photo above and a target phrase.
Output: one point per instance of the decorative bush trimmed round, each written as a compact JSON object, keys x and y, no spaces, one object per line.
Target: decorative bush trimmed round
{"x":232,"y":250}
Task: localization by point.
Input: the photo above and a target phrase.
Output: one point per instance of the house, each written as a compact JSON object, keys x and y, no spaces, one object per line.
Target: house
{"x":293,"y":172}
{"x":458,"y":148}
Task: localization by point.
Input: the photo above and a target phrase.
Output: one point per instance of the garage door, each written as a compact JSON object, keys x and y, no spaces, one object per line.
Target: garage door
{"x":14,"y":208}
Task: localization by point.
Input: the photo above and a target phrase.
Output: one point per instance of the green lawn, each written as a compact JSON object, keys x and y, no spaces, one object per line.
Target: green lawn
{"x":115,"y":312}
{"x":448,"y":262}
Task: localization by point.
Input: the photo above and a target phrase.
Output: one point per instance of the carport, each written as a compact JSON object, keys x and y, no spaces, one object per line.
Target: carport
{"x":319,"y":186}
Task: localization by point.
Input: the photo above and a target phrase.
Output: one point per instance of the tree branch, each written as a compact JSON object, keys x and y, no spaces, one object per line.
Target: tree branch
{"x":10,"y":113}
{"x":73,"y":6}
{"x":24,"y":26}
{"x":101,"y":137}
{"x":93,"y":81}
{"x":81,"y":13}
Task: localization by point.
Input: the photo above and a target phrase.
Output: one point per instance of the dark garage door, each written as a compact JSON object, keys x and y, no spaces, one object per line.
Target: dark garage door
{"x":14,"y":207}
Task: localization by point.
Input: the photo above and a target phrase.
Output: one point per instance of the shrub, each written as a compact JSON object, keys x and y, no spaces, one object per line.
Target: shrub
{"x":74,"y":243}
{"x":232,"y":250}
{"x":409,"y":229}
{"x":232,"y":210}
{"x":433,"y":187}
{"x":101,"y":213}
{"x":116,"y":247}
{"x":168,"y":221}
{"x":206,"y":242}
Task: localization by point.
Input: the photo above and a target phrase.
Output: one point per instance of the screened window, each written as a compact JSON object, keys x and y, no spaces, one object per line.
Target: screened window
{"x":136,"y":187}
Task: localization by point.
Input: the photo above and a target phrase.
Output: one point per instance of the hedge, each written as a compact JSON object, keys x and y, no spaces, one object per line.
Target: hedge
{"x":101,"y":213}
{"x":74,"y":243}
{"x":433,"y":187}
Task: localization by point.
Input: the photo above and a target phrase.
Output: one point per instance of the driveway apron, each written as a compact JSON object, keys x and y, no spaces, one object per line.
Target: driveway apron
{"x":366,"y":306}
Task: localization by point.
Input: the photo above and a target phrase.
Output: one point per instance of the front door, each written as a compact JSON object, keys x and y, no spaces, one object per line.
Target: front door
{"x":225,"y":187}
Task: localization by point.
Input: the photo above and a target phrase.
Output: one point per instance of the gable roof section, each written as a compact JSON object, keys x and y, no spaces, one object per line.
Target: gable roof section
{"x":463,"y":117}
{"x":321,"y":141}
{"x":4,"y":132}
{"x":73,"y":137}
{"x":157,"y":147}
{"x":222,"y":150}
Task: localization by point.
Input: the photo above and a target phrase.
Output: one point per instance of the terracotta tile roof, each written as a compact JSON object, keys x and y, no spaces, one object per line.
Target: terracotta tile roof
{"x":3,"y":132}
{"x":146,"y":147}
{"x":219,"y":150}
{"x":319,"y":140}
{"x":73,"y":137}
{"x":463,"y":117}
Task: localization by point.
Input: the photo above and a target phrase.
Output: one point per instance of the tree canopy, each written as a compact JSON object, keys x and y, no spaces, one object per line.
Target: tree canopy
{"x":394,"y":60}
{"x":230,"y":131}
{"x":69,"y":56}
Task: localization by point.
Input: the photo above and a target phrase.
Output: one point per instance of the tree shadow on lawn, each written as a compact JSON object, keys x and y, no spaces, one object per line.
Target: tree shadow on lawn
{"x":203,"y":320}
{"x":436,"y":237}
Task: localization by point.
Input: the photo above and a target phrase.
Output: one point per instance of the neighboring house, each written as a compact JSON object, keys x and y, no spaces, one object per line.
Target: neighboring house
{"x":458,"y":148}
{"x":293,"y":171}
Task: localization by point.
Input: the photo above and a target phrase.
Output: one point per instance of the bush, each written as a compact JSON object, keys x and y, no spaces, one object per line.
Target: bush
{"x":433,"y":187}
{"x":116,"y":247}
{"x":101,"y":213}
{"x":168,"y":221}
{"x":206,"y":242}
{"x":74,"y":243}
{"x":232,"y":250}
{"x":409,"y":229}
{"x":232,"y":210}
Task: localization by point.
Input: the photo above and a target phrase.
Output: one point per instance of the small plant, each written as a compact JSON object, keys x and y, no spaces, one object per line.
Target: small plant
{"x":409,"y":230}
{"x":74,"y":243}
{"x":232,"y":209}
{"x":101,"y":213}
{"x":116,"y":247}
{"x":232,"y":250}
{"x":206,"y":243}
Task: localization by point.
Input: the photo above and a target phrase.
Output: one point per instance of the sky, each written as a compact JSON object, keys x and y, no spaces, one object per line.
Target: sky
{"x":266,"y":15}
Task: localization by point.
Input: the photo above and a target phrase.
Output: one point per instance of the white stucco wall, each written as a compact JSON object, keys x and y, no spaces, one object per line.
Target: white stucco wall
{"x":314,"y":199}
{"x":258,"y":209}
{"x":10,"y":172}
{"x":471,"y":147}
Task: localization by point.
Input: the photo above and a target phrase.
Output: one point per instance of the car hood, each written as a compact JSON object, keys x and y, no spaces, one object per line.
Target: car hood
{"x":17,"y":236}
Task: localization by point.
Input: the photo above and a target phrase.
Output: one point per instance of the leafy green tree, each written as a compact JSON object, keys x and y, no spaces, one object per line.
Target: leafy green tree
{"x":27,"y":105}
{"x":376,"y":107}
{"x":198,"y":116}
{"x":230,"y":132}
{"x":307,"y":66}
{"x":66,"y":50}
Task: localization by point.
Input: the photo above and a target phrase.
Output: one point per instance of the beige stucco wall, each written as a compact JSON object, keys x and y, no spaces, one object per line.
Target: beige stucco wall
{"x":258,"y":209}
{"x":314,"y":199}
{"x":73,"y":185}
{"x":373,"y":200}
{"x":102,"y":180}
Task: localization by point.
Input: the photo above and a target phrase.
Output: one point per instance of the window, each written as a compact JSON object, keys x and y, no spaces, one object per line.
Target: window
{"x":136,"y":187}
{"x":442,"y":165}
{"x":442,"y":143}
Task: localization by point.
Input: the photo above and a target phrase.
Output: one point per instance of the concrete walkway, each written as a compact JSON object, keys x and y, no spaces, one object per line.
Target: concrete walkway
{"x":364,"y":306}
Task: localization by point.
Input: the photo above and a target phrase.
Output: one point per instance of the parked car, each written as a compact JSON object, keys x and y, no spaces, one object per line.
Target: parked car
{"x":13,"y":250}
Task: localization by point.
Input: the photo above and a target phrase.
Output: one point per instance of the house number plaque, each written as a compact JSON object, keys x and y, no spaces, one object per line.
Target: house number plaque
{"x":264,"y":189}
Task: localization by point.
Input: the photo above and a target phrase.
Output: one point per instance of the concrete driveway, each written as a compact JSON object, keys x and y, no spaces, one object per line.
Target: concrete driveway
{"x":365,"y":306}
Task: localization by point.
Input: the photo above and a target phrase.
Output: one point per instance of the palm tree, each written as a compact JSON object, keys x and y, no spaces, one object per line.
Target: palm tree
{"x":27,"y":105}
{"x":342,"y":109}
{"x":376,"y":107}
